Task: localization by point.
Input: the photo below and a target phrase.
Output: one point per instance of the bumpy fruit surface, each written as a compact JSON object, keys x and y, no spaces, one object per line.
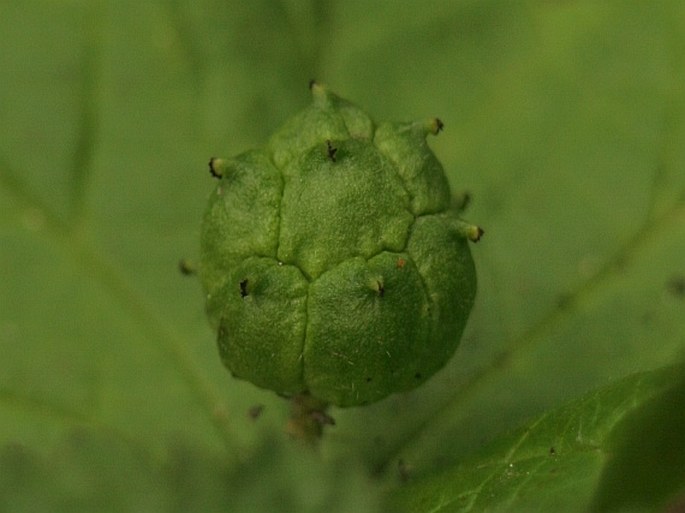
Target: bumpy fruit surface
{"x":333,"y":260}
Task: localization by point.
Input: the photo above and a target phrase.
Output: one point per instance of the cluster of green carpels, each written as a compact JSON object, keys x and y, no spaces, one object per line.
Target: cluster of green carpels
{"x":334,"y":261}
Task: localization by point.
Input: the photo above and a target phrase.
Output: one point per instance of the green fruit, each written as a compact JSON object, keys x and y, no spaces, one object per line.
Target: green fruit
{"x":334,"y":262}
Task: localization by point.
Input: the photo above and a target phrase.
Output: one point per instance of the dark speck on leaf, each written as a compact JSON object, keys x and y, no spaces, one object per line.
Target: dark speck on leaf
{"x":255,"y":412}
{"x":186,"y":267}
{"x":676,"y":285}
{"x":331,"y":150}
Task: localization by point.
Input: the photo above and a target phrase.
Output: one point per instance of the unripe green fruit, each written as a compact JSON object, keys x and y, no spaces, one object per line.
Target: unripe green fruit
{"x":333,"y":260}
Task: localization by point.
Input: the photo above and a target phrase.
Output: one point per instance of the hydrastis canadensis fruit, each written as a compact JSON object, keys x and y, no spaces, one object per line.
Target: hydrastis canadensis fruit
{"x":334,"y":260}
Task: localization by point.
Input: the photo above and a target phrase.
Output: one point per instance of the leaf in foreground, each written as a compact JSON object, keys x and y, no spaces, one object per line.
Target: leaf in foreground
{"x":618,"y":447}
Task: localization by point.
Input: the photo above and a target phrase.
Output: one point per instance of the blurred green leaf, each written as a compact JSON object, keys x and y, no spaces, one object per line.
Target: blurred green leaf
{"x":555,"y":462}
{"x":645,"y":467}
{"x":566,"y":122}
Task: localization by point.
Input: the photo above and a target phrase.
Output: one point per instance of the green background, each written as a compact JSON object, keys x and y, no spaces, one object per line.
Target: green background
{"x":565,"y":120}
